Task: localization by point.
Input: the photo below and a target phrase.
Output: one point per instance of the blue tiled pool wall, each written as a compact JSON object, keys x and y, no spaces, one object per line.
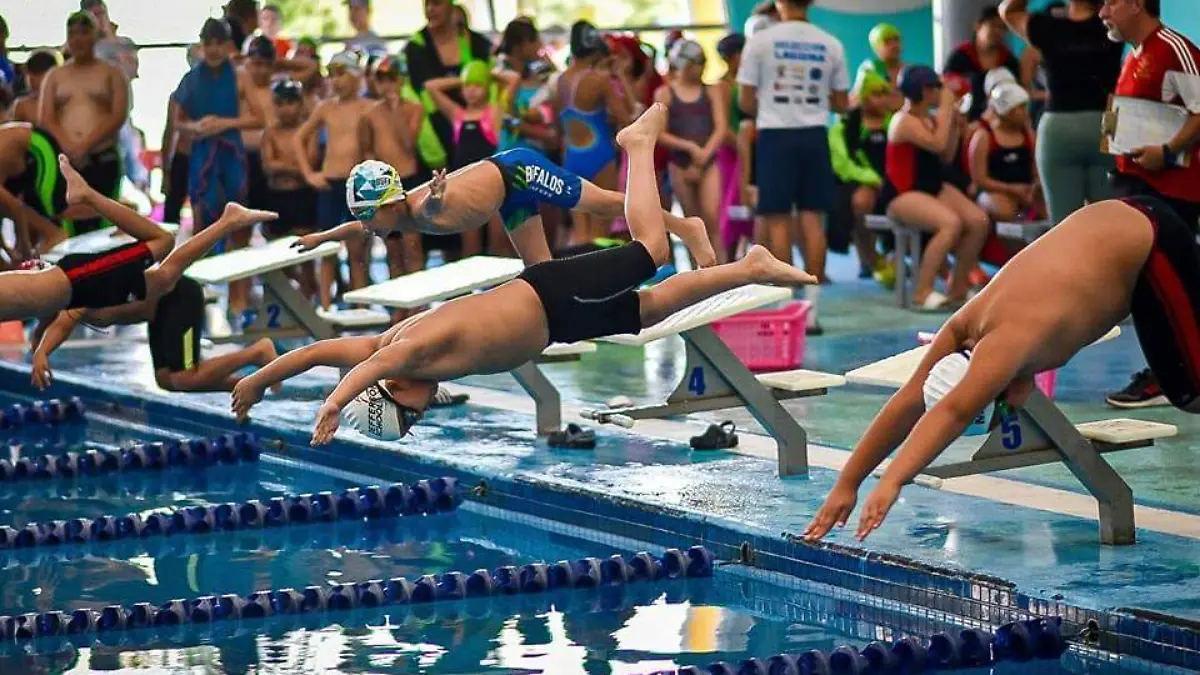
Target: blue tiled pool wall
{"x":882,"y":579}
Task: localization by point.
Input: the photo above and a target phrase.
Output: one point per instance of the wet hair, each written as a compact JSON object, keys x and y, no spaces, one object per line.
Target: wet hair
{"x":518,"y":32}
{"x":41,"y":61}
{"x":260,"y":46}
{"x":215,"y":30}
{"x":81,"y":18}
{"x":988,"y":13}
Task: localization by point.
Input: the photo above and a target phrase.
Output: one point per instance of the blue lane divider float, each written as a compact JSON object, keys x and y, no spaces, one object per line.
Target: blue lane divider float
{"x":533,"y":578}
{"x":427,"y":496}
{"x":197,"y":452}
{"x":971,"y":648}
{"x":52,"y":412}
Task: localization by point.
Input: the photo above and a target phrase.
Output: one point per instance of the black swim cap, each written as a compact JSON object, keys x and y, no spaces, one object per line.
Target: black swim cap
{"x":259,"y":46}
{"x":586,"y":40}
{"x":287,"y":89}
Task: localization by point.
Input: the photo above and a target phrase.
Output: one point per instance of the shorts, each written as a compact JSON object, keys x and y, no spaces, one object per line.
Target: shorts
{"x":592,"y":295}
{"x":1166,"y":304}
{"x":108,"y":279}
{"x":175,"y":329}
{"x":103,"y":172}
{"x":257,"y":190}
{"x":41,"y":185}
{"x":1126,"y":185}
{"x":331,"y":205}
{"x":531,"y":179}
{"x":793,"y":169}
{"x":297,"y":211}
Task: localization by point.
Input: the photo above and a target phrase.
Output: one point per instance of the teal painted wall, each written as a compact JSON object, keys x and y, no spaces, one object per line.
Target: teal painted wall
{"x":1183,"y":16}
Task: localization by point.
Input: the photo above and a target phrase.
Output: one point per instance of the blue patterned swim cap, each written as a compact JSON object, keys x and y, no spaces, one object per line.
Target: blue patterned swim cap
{"x":372,"y":184}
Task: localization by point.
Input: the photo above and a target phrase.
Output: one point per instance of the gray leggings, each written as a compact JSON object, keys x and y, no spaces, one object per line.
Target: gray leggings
{"x":1073,"y":170}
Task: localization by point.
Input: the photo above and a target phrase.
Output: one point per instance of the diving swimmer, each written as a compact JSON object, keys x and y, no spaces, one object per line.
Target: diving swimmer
{"x":395,"y":374}
{"x":1063,"y":292}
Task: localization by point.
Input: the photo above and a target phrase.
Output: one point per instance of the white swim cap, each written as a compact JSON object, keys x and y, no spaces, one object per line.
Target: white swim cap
{"x":1007,"y":96}
{"x":944,"y":376}
{"x":996,"y":77}
{"x":376,"y":414}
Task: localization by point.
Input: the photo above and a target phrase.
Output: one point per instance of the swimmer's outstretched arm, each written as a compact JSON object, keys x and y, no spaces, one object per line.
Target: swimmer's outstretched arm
{"x":344,"y":232}
{"x":994,"y":364}
{"x":391,"y":361}
{"x":339,"y":352}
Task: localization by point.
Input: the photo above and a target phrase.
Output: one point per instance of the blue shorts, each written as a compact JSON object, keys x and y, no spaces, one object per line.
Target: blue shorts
{"x":331,"y":205}
{"x":529,"y":180}
{"x":793,"y":169}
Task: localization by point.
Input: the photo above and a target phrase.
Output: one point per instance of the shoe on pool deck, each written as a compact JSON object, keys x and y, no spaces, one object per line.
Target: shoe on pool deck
{"x":1143,"y":392}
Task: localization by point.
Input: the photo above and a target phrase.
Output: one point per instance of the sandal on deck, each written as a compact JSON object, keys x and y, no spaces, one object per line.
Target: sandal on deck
{"x":574,"y":437}
{"x":716,"y":437}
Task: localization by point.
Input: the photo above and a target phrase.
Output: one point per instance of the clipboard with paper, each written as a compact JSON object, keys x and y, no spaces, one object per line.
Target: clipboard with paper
{"x":1131,"y":123}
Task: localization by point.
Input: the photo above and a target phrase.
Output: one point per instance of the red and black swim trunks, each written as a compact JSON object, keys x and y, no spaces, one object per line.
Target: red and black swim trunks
{"x":108,"y":279}
{"x":1166,"y":304}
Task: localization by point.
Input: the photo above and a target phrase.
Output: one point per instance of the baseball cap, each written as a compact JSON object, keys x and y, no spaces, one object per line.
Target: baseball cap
{"x":375,"y":413}
{"x":372,"y":184}
{"x":943,"y":377}
{"x":390,"y":66}
{"x":1008,"y":96}
{"x":350,"y":59}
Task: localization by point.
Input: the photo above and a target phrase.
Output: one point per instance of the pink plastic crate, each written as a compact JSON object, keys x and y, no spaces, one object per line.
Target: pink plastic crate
{"x":769,"y":339}
{"x":1043,"y":380}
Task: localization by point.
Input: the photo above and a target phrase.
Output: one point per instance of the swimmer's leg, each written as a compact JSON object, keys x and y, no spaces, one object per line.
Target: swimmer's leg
{"x":643,"y":211}
{"x":127,"y":220}
{"x":217,"y":373}
{"x":161,"y":278}
{"x":529,"y":240}
{"x":688,"y":288}
{"x":611,"y":204}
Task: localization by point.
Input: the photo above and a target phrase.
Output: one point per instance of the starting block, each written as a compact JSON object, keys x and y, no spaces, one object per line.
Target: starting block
{"x":467,"y":276}
{"x":99,"y":241}
{"x":715,"y":379}
{"x":1039,"y":433}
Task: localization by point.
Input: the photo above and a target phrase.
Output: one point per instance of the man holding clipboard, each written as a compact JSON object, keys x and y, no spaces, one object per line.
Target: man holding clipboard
{"x":1162,"y":67}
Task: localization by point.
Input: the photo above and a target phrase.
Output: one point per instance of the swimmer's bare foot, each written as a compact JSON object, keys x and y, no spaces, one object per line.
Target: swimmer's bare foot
{"x":765,"y":268}
{"x":237,"y":216}
{"x":266,"y":353}
{"x":645,"y":129}
{"x":78,"y":189}
{"x":695,"y":237}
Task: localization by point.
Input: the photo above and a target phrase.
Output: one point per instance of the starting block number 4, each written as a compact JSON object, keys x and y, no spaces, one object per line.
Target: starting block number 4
{"x":695,"y":382}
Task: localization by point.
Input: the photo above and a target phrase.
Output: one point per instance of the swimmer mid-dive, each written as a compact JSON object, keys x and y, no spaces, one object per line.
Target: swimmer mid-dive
{"x":144,"y":270}
{"x":588,"y":296}
{"x":1066,"y":290}
{"x":514,"y":183}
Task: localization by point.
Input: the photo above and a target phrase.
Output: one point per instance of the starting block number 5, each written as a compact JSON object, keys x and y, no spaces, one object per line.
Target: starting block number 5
{"x":696,"y":381}
{"x":1010,"y":429}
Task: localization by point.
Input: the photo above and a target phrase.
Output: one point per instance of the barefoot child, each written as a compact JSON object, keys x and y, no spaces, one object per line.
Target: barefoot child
{"x":287,"y":193}
{"x":476,"y":128}
{"x":342,"y":118}
{"x":394,"y":124}
{"x":396,"y":374}
{"x":121,"y":275}
{"x":42,"y":61}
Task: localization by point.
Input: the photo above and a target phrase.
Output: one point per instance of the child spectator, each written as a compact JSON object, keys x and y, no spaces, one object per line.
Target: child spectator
{"x":37,"y":65}
{"x":969,"y":63}
{"x":1002,"y":158}
{"x":341,"y":118}
{"x":733,"y":217}
{"x":858,"y":148}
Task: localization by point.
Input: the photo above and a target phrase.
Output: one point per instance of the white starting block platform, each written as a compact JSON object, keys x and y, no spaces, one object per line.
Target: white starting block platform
{"x":96,"y":242}
{"x":715,"y":379}
{"x":908,"y":247}
{"x":467,"y":276}
{"x":285,"y":312}
{"x":1039,"y":433}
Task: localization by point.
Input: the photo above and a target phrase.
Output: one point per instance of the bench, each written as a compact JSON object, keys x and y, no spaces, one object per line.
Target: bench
{"x":715,"y":379}
{"x":1025,"y":232}
{"x":467,"y":276}
{"x":1039,"y":433}
{"x":285,"y":312}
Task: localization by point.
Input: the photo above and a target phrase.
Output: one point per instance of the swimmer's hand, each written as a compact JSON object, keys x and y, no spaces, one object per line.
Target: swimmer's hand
{"x":308,"y":242}
{"x":316,"y":181}
{"x":835,"y":511}
{"x":246,"y":393}
{"x":437,"y":191}
{"x":42,"y":377}
{"x":876,"y":508}
{"x":328,"y":419}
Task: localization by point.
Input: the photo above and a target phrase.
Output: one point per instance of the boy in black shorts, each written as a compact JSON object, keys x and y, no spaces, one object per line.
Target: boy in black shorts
{"x":174,"y":326}
{"x":145,"y":270}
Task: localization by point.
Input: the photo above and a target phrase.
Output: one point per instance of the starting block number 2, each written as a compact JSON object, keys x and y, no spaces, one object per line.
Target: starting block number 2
{"x":273,"y":311}
{"x":696,"y":381}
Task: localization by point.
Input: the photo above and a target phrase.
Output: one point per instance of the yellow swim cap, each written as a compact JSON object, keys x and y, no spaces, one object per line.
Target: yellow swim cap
{"x":477,"y":72}
{"x":882,"y":33}
{"x":869,"y":83}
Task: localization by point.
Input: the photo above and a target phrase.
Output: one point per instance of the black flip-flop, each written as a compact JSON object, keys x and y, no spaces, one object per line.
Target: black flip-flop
{"x":716,"y":437}
{"x":574,"y":437}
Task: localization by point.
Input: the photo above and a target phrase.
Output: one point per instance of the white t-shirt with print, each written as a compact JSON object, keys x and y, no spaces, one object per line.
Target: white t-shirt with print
{"x":794,"y":65}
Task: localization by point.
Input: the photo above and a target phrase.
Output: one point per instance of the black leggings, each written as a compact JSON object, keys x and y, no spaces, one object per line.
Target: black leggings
{"x":176,"y":182}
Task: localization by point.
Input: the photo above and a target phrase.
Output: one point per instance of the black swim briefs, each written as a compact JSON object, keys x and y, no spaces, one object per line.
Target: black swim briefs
{"x":1166,"y":304}
{"x":108,"y":279}
{"x":592,"y":295}
{"x":175,"y":329}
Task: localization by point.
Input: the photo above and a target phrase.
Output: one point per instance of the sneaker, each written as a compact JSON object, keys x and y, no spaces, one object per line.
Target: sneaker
{"x":1143,"y":392}
{"x":814,"y":330}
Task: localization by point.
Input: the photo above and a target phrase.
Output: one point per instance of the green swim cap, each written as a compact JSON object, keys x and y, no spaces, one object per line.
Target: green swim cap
{"x":477,"y":72}
{"x":869,"y":83}
{"x":882,"y":33}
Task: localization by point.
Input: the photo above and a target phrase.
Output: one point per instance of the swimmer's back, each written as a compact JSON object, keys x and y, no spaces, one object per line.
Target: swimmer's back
{"x":1068,"y":288}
